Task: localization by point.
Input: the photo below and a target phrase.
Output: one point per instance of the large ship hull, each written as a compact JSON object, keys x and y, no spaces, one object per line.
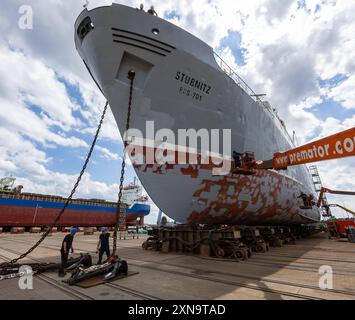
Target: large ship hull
{"x":37,"y":213}
{"x":179,"y":85}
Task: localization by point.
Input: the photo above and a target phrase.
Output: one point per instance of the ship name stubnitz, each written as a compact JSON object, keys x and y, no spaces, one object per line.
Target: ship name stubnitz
{"x":192,"y":83}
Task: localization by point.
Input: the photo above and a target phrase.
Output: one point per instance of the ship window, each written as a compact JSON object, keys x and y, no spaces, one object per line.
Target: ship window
{"x":84,"y":28}
{"x":155,"y":31}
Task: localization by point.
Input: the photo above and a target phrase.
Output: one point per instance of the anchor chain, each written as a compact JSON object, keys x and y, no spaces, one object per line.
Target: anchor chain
{"x":121,"y":216}
{"x":69,"y":199}
{"x":14,"y":275}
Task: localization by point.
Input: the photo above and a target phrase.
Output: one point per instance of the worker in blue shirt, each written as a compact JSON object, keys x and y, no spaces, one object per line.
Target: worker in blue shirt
{"x":67,"y":246}
{"x":104,"y":244}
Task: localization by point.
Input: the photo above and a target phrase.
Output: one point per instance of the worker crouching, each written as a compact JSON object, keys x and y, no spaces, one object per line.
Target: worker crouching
{"x":104,"y":244}
{"x":67,"y":246}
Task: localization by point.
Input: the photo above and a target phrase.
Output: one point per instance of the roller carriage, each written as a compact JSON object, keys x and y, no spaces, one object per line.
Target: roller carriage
{"x":233,"y":243}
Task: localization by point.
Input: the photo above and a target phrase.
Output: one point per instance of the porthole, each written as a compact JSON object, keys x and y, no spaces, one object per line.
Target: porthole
{"x":155,"y":31}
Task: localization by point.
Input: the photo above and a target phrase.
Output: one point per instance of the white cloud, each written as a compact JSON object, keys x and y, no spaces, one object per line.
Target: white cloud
{"x":61,"y":184}
{"x":106,"y":153}
{"x":30,"y":81}
{"x":345,"y":93}
{"x":28,"y":85}
{"x":23,"y":154}
{"x":304,"y":123}
{"x":338,"y":175}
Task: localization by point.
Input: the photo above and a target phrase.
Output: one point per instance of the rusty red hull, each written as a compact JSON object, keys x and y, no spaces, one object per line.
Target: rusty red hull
{"x":31,"y":210}
{"x":27,"y":217}
{"x":265,"y":198}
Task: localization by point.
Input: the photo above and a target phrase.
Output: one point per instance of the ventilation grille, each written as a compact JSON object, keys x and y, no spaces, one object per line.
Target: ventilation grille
{"x":142,"y":42}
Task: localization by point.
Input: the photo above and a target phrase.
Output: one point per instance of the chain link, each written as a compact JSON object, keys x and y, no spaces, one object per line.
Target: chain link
{"x":16,"y":275}
{"x":13,"y":276}
{"x":120,"y":215}
{"x":68,"y":201}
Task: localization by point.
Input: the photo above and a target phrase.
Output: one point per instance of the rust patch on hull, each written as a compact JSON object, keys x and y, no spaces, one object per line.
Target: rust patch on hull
{"x":265,"y":198}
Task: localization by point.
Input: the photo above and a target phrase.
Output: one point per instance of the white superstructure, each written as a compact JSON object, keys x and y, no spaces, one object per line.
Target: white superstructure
{"x":133,"y":193}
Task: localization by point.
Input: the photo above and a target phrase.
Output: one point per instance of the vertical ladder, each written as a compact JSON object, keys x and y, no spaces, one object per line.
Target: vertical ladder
{"x":160,"y":214}
{"x":317,"y":181}
{"x":122,"y":225}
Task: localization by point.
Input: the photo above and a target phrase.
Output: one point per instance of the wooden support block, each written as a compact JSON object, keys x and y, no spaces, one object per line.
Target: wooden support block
{"x":196,"y":239}
{"x":1,"y":230}
{"x":166,"y":246}
{"x":190,"y":240}
{"x":180,"y":246}
{"x":173,"y":241}
{"x":237,"y":234}
{"x":278,"y":243}
{"x":35,"y":230}
{"x":17,"y":230}
{"x":89,"y":231}
{"x":205,"y":250}
{"x":215,"y":236}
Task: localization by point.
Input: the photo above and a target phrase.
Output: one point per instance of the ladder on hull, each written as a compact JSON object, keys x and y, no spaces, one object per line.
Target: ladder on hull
{"x":317,"y":181}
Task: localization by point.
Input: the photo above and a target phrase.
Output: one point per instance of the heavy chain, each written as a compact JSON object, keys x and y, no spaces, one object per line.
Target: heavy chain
{"x":13,"y":275}
{"x":121,"y":216}
{"x":69,"y":199}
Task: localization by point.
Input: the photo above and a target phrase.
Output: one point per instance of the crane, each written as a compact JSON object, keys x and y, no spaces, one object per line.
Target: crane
{"x":7,"y":183}
{"x":341,"y":207}
{"x":337,"y":192}
{"x":337,"y":146}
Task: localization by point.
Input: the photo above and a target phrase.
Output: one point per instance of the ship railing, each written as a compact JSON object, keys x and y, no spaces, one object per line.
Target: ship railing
{"x":247,"y":89}
{"x":240,"y":82}
{"x":237,"y":79}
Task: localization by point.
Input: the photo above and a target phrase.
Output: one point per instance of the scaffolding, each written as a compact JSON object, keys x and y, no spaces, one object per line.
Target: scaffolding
{"x":317,"y":181}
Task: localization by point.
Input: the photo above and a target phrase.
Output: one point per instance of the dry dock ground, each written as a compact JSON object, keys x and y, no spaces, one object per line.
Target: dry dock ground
{"x":291,"y":272}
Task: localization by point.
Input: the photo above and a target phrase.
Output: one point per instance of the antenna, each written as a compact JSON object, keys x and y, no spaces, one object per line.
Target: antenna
{"x":86,"y":4}
{"x":260,"y":95}
{"x":7,"y":183}
{"x":294,"y":138}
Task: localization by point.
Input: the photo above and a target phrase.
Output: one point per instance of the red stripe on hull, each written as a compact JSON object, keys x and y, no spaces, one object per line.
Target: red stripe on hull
{"x":11,"y":216}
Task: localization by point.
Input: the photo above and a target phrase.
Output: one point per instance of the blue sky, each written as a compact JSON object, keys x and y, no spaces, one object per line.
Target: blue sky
{"x":233,"y":42}
{"x":301,"y":53}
